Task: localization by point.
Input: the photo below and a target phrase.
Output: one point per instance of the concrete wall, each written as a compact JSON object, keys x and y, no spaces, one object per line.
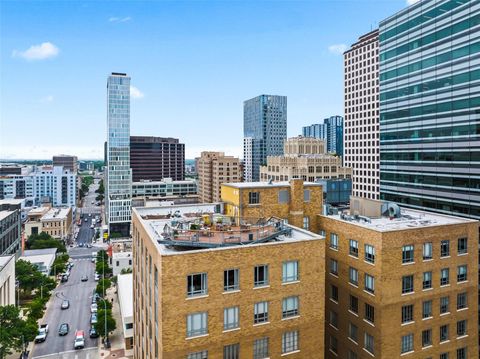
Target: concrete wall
{"x":7,"y":281}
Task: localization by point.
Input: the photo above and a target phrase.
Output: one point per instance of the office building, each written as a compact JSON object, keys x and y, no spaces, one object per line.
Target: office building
{"x":400,"y":283}
{"x":253,"y":290}
{"x":304,"y":157}
{"x":10,"y":232}
{"x":296,"y":201}
{"x":156,"y":158}
{"x":7,"y":280}
{"x":118,"y":199}
{"x":331,"y":131}
{"x":264,"y":130}
{"x":67,"y":162}
{"x":165,"y":188}
{"x":42,"y":259}
{"x":6,"y":169}
{"x":429,"y":105}
{"x":214,"y":168}
{"x":56,"y":222}
{"x":125,"y":302}
{"x":361,"y":90}
{"x":120,"y":261}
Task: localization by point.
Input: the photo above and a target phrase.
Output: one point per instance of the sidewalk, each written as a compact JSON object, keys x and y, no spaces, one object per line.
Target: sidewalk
{"x":117,"y":349}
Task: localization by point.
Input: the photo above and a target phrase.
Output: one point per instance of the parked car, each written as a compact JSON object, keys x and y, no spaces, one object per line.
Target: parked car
{"x":42,"y":333}
{"x":86,"y":219}
{"x":95,"y":297}
{"x":97,"y":277}
{"x":93,"y":308}
{"x":93,"y":318}
{"x":89,"y":245}
{"x":64,"y":278}
{"x":79,"y":340}
{"x":84,"y":278}
{"x":93,"y":333}
{"x":92,"y":226}
{"x":65,"y":304}
{"x":63,"y":329}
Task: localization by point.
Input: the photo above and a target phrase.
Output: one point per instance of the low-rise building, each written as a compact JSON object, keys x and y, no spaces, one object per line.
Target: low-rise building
{"x":41,"y":258}
{"x":57,"y":222}
{"x":7,"y":280}
{"x":120,"y":261}
{"x":125,"y":301}
{"x":10,"y":232}
{"x":297,"y":201}
{"x":207,"y":287}
{"x":165,"y":188}
{"x":304,"y":157}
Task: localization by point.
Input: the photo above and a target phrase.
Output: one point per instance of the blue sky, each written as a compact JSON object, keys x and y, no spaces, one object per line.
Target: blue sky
{"x":192,"y":64}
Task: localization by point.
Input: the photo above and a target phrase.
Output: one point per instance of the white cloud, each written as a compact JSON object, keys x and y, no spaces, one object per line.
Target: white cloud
{"x":135,"y":92}
{"x":47,"y":99}
{"x":411,"y":2}
{"x":338,"y":49}
{"x":43,"y":51}
{"x":119,"y":19}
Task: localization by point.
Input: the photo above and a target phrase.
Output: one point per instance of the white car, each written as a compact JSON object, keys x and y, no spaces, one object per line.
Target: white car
{"x":93,"y":308}
{"x":79,"y":339}
{"x":97,"y":277}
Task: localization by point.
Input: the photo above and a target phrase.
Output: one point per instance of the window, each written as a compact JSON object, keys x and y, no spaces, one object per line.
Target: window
{"x":283,"y":196}
{"x":230,"y":318}
{"x":427,"y":309}
{"x":353,"y":332}
{"x":334,"y":292}
{"x":353,"y":275}
{"x":198,"y":355}
{"x":444,"y":248}
{"x":444,"y":305}
{"x":333,"y":266}
{"x":462,"y":246}
{"x":407,"y":313}
{"x":462,"y":353}
{"x":333,"y":344}
{"x":352,"y":355}
{"x":461,"y":273}
{"x":427,"y":251}
{"x":353,"y":248}
{"x":253,"y":197}
{"x":333,"y":318}
{"x":260,"y":313}
{"x":407,"y":284}
{"x":369,"y":253}
{"x":290,"y":307}
{"x":461,"y":300}
{"x":333,"y":241}
{"x":427,"y":280}
{"x":407,"y":343}
{"x":444,"y":276}
{"x":306,"y":223}
{"x":306,"y":195}
{"x":289,"y":342}
{"x":290,"y":271}
{"x":426,"y":338}
{"x":260,"y":348}
{"x":443,"y":333}
{"x":407,"y":254}
{"x":369,"y":313}
{"x":231,"y":280}
{"x":369,"y":345}
{"x":261,"y":275}
{"x":369,"y":283}
{"x":461,"y":328}
{"x":444,"y":356}
{"x":196,"y":284}
{"x":197,"y":324}
{"x":231,"y":351}
{"x":353,"y":304}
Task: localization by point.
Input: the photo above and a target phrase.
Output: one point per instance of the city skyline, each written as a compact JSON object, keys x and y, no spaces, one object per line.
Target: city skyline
{"x":41,"y":45}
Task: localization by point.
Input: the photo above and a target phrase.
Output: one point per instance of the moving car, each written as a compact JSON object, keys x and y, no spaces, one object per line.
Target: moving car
{"x":79,"y":340}
{"x":92,"y":226}
{"x":93,"y":318}
{"x":93,"y":333}
{"x":42,"y":333}
{"x":84,"y":278}
{"x":63,"y":329}
{"x":65,"y":304}
{"x":86,"y":219}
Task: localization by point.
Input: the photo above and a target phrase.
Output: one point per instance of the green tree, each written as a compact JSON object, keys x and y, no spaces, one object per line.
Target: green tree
{"x":102,"y":268}
{"x":106,"y":323}
{"x":103,"y":303}
{"x":30,"y":279}
{"x":101,"y":188}
{"x":99,"y":198}
{"x":102,"y":256}
{"x":60,"y":264}
{"x":44,"y":240}
{"x":126,"y":271}
{"x":14,"y":330}
{"x":103,"y":285}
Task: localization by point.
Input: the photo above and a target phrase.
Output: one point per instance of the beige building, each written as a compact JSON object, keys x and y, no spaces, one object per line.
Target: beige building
{"x":7,"y":280}
{"x":400,"y":283}
{"x":214,"y":168}
{"x":57,"y":222}
{"x":205,"y":287}
{"x":305,"y":158}
{"x":67,"y":162}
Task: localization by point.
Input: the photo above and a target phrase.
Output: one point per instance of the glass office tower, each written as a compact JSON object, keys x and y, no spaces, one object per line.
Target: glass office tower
{"x":118,"y":173}
{"x":264,"y":131}
{"x":430,"y":107}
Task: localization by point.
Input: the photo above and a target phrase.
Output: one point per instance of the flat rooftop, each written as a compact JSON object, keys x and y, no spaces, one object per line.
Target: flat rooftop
{"x":39,"y":252}
{"x":4,"y":260}
{"x":409,"y":219}
{"x":56,"y":213}
{"x":265,"y":184}
{"x":120,"y":255}
{"x":183,"y":228}
{"x":125,"y":294}
{"x":5,"y":214}
{"x":12,"y":201}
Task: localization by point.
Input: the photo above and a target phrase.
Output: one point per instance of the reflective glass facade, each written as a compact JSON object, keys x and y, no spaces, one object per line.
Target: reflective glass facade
{"x":119,"y":174}
{"x":430,"y":107}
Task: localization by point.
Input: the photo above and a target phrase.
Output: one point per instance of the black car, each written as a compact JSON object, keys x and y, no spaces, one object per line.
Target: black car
{"x":93,"y":333}
{"x":84,"y":278}
{"x":63,"y":329}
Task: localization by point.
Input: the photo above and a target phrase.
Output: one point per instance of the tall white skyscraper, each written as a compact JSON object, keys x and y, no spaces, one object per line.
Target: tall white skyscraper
{"x":118,"y":173}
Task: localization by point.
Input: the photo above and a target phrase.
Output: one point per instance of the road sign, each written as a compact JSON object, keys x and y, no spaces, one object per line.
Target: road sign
{"x":105,"y":235}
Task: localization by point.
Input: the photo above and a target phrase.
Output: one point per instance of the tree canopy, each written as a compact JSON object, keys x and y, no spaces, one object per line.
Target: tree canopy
{"x":111,"y":325}
{"x":14,"y":330}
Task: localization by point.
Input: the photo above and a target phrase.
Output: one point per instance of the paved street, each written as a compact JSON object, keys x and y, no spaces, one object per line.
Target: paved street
{"x":90,"y":353}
